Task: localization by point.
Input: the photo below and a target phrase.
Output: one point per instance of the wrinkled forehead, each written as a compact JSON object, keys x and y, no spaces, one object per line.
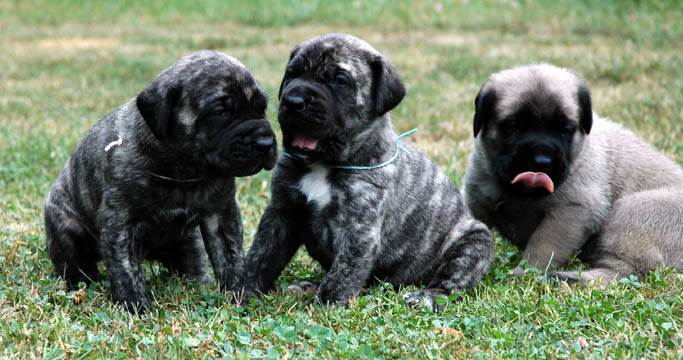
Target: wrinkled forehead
{"x":545,"y":87}
{"x":213,"y":72}
{"x":340,"y":50}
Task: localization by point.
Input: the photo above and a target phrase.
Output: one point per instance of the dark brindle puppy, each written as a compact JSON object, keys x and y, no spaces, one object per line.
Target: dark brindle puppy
{"x":404,"y":222}
{"x":154,"y":178}
{"x":556,"y":179}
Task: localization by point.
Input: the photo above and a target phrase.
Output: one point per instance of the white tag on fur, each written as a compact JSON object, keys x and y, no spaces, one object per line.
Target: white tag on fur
{"x":118,"y":142}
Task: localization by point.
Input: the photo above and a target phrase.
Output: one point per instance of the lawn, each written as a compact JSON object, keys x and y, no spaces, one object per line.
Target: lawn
{"x":65,"y":64}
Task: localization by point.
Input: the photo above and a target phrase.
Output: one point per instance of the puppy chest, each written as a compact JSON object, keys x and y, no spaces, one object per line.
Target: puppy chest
{"x":173,"y":220}
{"x":163,"y":229}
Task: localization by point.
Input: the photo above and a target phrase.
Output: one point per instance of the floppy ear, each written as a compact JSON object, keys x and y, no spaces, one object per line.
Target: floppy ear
{"x":291,"y":56}
{"x":156,"y":104}
{"x":586,"y":116}
{"x":484,"y":108}
{"x":389,"y":89}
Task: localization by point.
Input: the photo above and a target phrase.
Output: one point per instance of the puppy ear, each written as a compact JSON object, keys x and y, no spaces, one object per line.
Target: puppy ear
{"x":484,"y":108}
{"x":156,"y":104}
{"x":586,"y":117}
{"x":389,"y":89}
{"x":291,"y":56}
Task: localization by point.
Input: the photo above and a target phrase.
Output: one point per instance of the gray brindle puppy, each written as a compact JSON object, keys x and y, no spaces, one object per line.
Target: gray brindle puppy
{"x":154,"y":179}
{"x":557,"y":180}
{"x":396,"y":218}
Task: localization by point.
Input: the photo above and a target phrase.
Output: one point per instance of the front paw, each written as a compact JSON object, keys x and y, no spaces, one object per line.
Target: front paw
{"x":556,"y":277}
{"x":243,"y":296}
{"x":134,"y":305}
{"x":303,"y":288}
{"x":517,"y":272}
{"x":329,"y":295}
{"x":424,"y":298}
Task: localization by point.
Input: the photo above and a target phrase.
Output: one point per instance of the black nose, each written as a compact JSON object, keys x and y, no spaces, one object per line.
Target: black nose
{"x":294,"y":102}
{"x":542,"y":162}
{"x":263,"y":143}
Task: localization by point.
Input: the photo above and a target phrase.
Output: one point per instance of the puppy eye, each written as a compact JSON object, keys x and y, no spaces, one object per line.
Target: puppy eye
{"x":223,"y":108}
{"x":341,"y":79}
{"x":509,"y":127}
{"x":219,"y":111}
{"x":511,"y":130}
{"x":567,"y":130}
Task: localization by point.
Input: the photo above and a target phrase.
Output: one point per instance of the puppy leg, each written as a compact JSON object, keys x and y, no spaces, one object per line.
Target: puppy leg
{"x":604,"y":275}
{"x":274,"y":245}
{"x":223,"y":242}
{"x":557,"y":239}
{"x":464,"y":263}
{"x":125,"y":271}
{"x":348,"y":274}
{"x":71,"y":248}
{"x":352,"y":265}
{"x":607,"y":268}
{"x":644,"y":230}
{"x":123,"y":259}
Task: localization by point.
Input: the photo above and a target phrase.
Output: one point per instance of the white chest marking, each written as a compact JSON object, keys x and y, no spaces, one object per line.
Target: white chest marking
{"x":315,"y":186}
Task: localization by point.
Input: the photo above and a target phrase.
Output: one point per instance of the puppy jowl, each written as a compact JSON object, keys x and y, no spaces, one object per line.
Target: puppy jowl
{"x":364,"y":204}
{"x":154,"y":179}
{"x":587,"y":186}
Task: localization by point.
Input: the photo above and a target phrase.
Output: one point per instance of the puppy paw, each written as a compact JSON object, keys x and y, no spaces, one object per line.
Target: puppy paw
{"x":134,"y":306}
{"x":244,"y":296}
{"x":303,"y":288}
{"x":556,"y":277}
{"x":328,"y":295}
{"x":426,"y":298}
{"x":517,"y":272}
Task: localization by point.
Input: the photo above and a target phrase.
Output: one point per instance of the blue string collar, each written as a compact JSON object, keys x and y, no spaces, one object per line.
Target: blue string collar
{"x":399,"y":148}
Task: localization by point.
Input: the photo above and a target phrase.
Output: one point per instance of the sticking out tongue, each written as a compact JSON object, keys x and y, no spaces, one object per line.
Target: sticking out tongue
{"x":534,"y":180}
{"x":304,"y":142}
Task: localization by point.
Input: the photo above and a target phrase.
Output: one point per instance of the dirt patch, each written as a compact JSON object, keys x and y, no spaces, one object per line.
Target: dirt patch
{"x":455,"y":39}
{"x":77,"y":43}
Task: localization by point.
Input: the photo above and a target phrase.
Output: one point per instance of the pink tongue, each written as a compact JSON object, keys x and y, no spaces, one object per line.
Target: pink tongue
{"x":304,"y":142}
{"x":534,"y":180}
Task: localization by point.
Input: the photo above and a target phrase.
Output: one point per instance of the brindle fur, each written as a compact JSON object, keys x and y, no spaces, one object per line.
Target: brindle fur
{"x":404,"y":223}
{"x":154,"y":179}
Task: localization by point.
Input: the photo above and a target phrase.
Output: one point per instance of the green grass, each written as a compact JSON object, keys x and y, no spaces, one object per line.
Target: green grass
{"x":66,"y":64}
